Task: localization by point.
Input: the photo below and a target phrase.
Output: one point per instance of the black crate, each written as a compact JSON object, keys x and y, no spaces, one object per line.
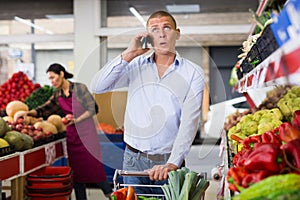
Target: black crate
{"x":266,"y":43}
{"x":7,"y":150}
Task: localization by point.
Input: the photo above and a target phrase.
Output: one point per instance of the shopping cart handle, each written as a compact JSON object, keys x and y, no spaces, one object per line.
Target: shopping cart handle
{"x":133,"y":173}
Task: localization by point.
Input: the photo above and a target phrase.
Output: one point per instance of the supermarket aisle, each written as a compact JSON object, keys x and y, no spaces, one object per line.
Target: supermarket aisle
{"x":202,"y":158}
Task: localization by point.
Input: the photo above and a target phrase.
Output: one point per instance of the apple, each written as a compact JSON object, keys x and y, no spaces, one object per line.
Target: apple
{"x":19,"y":127}
{"x":31,"y":127}
{"x":65,"y":120}
{"x":24,"y":130}
{"x":69,"y":116}
{"x":20,"y":120}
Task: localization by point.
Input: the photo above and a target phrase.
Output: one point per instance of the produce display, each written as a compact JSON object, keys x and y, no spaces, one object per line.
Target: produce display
{"x":184,"y":184}
{"x":127,"y":193}
{"x":265,"y":147}
{"x":18,"y":87}
{"x":39,"y":96}
{"x":280,"y":187}
{"x":108,"y":129}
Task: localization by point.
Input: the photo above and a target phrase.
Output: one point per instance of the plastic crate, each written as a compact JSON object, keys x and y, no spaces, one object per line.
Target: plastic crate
{"x":266,"y":43}
{"x":112,"y":148}
{"x":51,"y":182}
{"x":51,"y":173}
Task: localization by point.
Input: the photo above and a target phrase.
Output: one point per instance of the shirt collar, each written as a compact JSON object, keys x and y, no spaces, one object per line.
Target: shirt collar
{"x":178,"y":58}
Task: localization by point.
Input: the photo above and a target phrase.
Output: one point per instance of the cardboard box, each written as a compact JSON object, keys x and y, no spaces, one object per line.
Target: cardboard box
{"x":112,"y":108}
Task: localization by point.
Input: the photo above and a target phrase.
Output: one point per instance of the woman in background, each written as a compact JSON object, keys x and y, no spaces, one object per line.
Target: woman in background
{"x":83,"y":147}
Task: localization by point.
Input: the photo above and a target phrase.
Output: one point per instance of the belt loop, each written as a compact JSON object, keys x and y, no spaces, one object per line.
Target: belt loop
{"x":166,"y":157}
{"x":138,"y":155}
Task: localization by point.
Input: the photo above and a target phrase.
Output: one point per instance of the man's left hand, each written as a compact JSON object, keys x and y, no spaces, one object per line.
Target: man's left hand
{"x":160,"y":172}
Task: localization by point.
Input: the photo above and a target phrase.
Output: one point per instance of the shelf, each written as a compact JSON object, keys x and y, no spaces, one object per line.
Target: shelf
{"x":281,"y":67}
{"x":22,"y":163}
{"x":10,"y":166}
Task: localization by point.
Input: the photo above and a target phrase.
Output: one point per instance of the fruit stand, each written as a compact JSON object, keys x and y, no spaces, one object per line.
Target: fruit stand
{"x":261,"y":147}
{"x":14,"y":167}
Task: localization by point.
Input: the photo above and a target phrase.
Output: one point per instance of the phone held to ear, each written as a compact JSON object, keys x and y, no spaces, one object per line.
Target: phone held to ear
{"x":145,"y":41}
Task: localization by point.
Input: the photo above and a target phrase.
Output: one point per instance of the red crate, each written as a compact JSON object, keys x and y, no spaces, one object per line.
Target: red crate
{"x":51,"y":173}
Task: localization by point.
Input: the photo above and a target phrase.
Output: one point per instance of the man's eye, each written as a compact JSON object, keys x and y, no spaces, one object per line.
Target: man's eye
{"x":154,"y":30}
{"x":167,"y":28}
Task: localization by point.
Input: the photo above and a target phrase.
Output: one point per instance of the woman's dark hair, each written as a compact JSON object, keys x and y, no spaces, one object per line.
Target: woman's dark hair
{"x":57,"y":68}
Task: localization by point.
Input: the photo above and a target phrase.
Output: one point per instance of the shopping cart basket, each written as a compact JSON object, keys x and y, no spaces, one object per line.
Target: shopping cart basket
{"x":118,"y":185}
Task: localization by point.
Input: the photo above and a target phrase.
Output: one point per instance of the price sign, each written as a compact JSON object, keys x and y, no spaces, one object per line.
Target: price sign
{"x":50,"y":153}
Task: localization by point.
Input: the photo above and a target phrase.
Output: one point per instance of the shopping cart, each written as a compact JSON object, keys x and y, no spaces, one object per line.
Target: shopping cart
{"x":118,"y":185}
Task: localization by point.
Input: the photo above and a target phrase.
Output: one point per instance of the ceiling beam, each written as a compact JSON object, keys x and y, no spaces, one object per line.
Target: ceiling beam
{"x":185,"y":30}
{"x":7,"y":39}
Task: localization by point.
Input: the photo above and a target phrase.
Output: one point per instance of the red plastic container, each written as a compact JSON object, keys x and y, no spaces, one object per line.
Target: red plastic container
{"x":56,"y":173}
{"x":51,"y":182}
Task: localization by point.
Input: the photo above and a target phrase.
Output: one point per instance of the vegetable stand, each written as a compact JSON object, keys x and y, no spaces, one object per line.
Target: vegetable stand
{"x":280,"y":68}
{"x":202,"y":181}
{"x":16,"y":166}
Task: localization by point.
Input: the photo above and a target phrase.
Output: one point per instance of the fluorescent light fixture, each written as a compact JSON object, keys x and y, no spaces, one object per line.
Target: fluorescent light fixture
{"x":65,"y":16}
{"x":32,"y":25}
{"x":137,"y":15}
{"x":183,"y":8}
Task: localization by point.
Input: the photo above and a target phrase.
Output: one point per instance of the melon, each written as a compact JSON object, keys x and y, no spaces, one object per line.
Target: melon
{"x":3,"y":127}
{"x":56,"y":121}
{"x":28,"y":142}
{"x":14,"y":106}
{"x":46,"y":126}
{"x":15,"y":138}
{"x":8,"y":119}
{"x":3,"y":143}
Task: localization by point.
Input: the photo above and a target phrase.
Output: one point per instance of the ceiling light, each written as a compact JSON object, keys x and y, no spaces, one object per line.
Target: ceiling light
{"x":183,"y":8}
{"x":137,"y":15}
{"x":64,"y":16}
{"x":32,"y":25}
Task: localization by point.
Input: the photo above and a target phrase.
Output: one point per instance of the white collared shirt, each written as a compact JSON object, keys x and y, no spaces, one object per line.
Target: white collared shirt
{"x":162,"y":114}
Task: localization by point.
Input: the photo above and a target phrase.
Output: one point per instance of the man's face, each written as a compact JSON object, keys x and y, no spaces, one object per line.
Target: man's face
{"x":164,"y":34}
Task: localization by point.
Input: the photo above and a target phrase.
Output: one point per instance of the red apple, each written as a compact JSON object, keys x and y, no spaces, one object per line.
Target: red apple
{"x":65,"y":120}
{"x":24,"y":130}
{"x":20,"y":120}
{"x":69,"y":116}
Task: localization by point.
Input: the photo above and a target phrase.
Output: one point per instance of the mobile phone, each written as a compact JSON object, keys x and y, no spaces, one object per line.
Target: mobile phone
{"x":145,"y":41}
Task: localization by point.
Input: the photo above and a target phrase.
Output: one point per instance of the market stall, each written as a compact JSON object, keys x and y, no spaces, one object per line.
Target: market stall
{"x":261,"y":147}
{"x":14,"y":167}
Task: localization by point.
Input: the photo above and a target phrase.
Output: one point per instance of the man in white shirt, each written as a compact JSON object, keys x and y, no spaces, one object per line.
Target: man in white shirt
{"x":163,"y":104}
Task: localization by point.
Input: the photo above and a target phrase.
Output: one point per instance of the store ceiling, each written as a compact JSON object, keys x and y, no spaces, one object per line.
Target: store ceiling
{"x":35,"y":9}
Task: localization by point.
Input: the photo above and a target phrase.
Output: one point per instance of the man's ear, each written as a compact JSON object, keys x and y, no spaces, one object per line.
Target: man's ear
{"x":177,"y":34}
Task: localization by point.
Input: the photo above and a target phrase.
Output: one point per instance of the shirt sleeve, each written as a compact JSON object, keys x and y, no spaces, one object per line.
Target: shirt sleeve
{"x":85,"y":98}
{"x":190,"y":117}
{"x":111,"y":76}
{"x":49,"y":107}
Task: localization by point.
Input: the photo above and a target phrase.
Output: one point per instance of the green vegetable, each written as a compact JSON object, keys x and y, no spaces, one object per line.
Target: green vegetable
{"x":190,"y":178}
{"x":39,"y":96}
{"x":184,"y":184}
{"x":200,"y":189}
{"x":272,"y":185}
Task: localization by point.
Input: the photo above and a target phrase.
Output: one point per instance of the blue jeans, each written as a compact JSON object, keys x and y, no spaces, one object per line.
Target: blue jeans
{"x":136,"y":162}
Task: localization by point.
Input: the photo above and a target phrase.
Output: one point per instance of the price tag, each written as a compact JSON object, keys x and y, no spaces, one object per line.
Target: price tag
{"x":64,"y":145}
{"x":50,"y":153}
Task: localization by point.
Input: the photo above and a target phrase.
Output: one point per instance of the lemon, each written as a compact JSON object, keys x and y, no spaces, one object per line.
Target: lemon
{"x":3,"y":143}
